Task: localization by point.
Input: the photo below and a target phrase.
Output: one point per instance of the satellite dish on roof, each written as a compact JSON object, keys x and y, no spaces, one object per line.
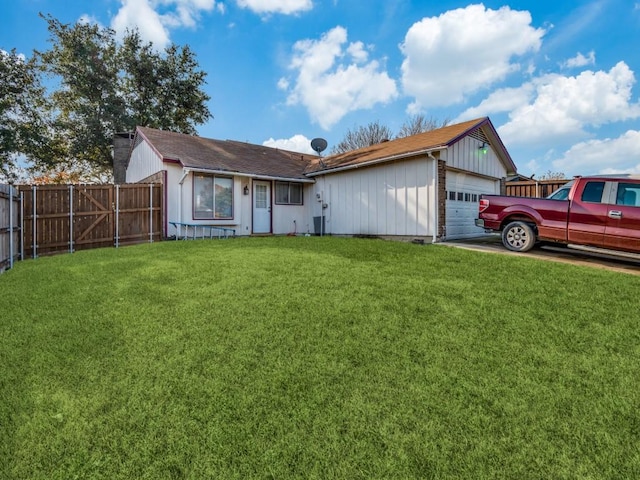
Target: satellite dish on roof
{"x":319,"y":144}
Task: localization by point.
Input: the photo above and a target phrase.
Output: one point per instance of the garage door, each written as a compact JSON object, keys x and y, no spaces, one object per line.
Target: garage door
{"x":463,"y":190}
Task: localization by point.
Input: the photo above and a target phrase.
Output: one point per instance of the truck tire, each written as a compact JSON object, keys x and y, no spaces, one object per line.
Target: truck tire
{"x":518,"y":237}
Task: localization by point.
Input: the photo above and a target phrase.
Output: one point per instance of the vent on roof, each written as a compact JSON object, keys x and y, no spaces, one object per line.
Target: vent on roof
{"x":479,"y":135}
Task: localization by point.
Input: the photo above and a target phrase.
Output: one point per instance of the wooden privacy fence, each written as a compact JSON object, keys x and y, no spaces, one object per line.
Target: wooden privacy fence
{"x":9,"y":226}
{"x":66,"y":218}
{"x":539,"y":189}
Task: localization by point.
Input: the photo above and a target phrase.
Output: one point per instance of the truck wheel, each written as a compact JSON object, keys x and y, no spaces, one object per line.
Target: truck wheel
{"x":518,"y":237}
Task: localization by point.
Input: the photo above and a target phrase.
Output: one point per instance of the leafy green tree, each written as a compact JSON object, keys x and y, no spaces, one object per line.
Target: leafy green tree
{"x":84,"y":103}
{"x":23,"y":130}
{"x":162,"y":91}
{"x":103,"y":87}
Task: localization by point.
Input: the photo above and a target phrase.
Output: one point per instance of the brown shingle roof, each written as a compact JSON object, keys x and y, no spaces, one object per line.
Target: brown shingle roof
{"x":246,"y":158}
{"x":415,"y":144}
{"x":226,"y":155}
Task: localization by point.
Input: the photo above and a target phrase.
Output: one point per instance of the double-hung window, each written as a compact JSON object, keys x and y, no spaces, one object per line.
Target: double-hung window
{"x":288,"y":193}
{"x":212,"y":197}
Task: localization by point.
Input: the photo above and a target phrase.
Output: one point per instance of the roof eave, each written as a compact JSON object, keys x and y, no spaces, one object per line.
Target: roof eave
{"x":390,"y":158}
{"x":256,"y":176}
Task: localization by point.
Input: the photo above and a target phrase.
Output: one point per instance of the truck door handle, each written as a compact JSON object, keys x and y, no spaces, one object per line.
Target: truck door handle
{"x":615,"y":214}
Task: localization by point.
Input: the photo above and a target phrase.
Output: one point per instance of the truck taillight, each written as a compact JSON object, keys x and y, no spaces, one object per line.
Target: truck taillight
{"x":484,"y":204}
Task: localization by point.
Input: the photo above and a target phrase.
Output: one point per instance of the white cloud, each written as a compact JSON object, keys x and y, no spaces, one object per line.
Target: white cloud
{"x":139,"y":14}
{"x":617,"y":155}
{"x":463,"y":51}
{"x":89,"y":20}
{"x":562,"y":107}
{"x":297,"y":143}
{"x":283,"y":84}
{"x":580,"y":60}
{"x":501,"y":100}
{"x":358,"y":52}
{"x":146,"y":16}
{"x":187,"y":12}
{"x":286,"y":7}
{"x":333,"y":80}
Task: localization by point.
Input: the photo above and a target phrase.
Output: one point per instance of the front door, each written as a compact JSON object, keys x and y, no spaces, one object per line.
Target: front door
{"x":261,"y":207}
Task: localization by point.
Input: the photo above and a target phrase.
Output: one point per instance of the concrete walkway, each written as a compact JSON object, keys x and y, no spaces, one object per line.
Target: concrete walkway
{"x":493,"y":244}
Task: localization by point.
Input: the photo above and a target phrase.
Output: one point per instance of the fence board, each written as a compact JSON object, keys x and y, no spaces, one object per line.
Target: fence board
{"x":66,"y":218}
{"x":538,"y":189}
{"x":9,"y":226}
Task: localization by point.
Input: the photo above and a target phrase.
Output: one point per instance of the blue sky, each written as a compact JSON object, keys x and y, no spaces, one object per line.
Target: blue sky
{"x":557,"y":78}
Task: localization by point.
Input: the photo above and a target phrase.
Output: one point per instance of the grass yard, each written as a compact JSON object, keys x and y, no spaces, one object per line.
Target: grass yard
{"x":321,"y":358}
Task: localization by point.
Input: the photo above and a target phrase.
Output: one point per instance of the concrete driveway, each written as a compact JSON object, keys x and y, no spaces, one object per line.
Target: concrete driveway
{"x":492,"y":243}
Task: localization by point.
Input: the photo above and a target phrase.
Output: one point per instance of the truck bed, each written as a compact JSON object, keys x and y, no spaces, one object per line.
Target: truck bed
{"x":550,"y":216}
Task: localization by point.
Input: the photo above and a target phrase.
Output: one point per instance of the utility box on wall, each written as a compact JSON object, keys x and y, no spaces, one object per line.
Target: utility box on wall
{"x":317,"y":223}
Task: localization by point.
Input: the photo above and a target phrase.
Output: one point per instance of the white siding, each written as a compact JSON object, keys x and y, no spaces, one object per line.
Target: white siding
{"x":395,"y":198}
{"x":466,"y":155}
{"x":288,"y":218}
{"x":143,"y":163}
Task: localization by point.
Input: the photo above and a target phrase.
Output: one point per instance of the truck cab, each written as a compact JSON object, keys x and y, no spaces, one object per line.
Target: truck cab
{"x":599,"y":211}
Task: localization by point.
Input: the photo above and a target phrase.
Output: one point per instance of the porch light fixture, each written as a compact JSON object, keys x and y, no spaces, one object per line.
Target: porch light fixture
{"x":484,"y":148}
{"x":246,"y":189}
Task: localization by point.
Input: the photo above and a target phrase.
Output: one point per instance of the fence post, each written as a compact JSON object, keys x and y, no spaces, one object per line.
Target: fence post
{"x":70,"y":218}
{"x":10,"y":225}
{"x":22,"y":225}
{"x":35,"y":246}
{"x":151,"y":213}
{"x":117,"y":239}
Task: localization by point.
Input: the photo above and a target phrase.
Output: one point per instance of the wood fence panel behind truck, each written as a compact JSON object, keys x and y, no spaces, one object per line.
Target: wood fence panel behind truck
{"x":540,"y":189}
{"x":66,"y":218}
{"x":9,"y":226}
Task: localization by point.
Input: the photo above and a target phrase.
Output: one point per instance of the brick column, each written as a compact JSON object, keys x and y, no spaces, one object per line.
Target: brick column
{"x":442,"y":199}
{"x":121,"y":147}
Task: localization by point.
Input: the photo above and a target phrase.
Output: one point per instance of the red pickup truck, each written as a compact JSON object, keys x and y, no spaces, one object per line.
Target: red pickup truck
{"x":595,"y":212}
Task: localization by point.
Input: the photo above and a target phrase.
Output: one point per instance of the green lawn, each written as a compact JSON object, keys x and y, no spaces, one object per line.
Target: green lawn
{"x":317,"y":358}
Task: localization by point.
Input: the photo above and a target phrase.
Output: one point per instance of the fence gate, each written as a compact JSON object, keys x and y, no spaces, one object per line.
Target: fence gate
{"x":9,"y":226}
{"x":66,"y":218}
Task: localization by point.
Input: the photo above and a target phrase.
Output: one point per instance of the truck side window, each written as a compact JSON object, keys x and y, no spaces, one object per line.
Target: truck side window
{"x":593,"y":192}
{"x":628,"y":194}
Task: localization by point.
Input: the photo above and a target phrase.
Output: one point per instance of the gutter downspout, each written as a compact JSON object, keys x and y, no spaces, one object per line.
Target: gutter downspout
{"x":185,"y":172}
{"x":434,"y":238}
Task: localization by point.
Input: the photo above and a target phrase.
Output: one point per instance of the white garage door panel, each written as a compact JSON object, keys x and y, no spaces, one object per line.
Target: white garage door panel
{"x":462,"y":212}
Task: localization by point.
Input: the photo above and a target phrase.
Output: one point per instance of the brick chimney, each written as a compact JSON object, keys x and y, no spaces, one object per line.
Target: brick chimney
{"x":121,"y":149}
